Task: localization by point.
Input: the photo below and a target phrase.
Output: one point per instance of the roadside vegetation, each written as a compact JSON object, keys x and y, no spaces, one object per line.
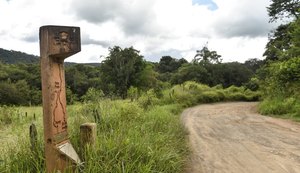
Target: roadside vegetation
{"x":136,"y":105}
{"x":279,"y":78}
{"x":143,"y":134}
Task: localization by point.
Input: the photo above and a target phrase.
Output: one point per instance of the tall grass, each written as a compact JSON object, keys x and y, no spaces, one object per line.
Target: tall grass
{"x":130,"y":139}
{"x":133,"y":140}
{"x":282,"y":107}
{"x":192,"y":93}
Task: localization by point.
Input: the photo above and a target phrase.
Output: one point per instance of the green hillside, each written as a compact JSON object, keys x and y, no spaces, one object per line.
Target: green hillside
{"x":15,"y":57}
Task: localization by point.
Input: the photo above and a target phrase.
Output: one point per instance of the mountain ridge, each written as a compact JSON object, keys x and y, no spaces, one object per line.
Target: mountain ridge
{"x":15,"y":57}
{"x":18,"y":57}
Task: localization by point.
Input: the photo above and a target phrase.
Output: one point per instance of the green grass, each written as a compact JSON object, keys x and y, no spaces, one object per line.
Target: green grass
{"x":288,"y":108}
{"x":130,"y":139}
{"x":133,"y":140}
{"x":192,"y":93}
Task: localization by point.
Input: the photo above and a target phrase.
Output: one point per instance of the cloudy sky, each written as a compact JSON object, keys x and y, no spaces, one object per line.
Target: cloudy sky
{"x":236,"y":29}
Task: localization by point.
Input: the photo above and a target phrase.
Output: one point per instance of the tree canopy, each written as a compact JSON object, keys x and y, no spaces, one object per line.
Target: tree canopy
{"x":123,"y":73}
{"x":206,"y":56}
{"x":169,"y":64}
{"x":280,"y":9}
{"x":122,"y":69}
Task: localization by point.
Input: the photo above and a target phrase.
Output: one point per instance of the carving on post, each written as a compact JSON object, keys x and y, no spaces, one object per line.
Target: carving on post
{"x":56,"y":44}
{"x":59,"y":122}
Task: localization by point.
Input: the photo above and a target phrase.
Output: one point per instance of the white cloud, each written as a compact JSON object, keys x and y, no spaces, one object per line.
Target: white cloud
{"x":241,"y":18}
{"x":236,"y":29}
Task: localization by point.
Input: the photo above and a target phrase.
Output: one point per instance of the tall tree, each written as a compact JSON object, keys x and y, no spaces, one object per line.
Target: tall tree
{"x":206,"y":56}
{"x":169,"y":64}
{"x":284,"y":8}
{"x":81,"y":77}
{"x":279,"y":42}
{"x":254,"y":64}
{"x":294,"y":50}
{"x":190,"y":72}
{"x":280,"y":78}
{"x":122,"y":69}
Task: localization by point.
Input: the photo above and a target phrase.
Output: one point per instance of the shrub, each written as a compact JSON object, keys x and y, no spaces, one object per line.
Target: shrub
{"x":280,"y":106}
{"x":211,"y":96}
{"x":191,"y":93}
{"x":93,"y":95}
{"x":130,"y":111}
{"x":132,"y":93}
{"x":8,"y":114}
{"x":148,"y":99}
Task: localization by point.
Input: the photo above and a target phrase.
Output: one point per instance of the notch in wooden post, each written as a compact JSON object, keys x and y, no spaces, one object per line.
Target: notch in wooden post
{"x":56,"y":44}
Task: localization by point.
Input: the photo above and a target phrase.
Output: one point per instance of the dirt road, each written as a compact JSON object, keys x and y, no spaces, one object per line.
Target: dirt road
{"x":233,"y":137}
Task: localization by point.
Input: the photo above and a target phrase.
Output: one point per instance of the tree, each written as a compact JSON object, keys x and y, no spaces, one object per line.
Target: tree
{"x":81,"y":77}
{"x":284,"y":8}
{"x":169,"y":64}
{"x":14,"y":93}
{"x":294,"y":50}
{"x":122,"y":68}
{"x":279,"y":79}
{"x":190,"y":72}
{"x":254,"y":64}
{"x":148,"y":78}
{"x":232,"y":73}
{"x":279,"y":42}
{"x":206,"y":56}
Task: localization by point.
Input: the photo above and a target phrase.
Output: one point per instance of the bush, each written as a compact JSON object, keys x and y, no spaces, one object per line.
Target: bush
{"x":130,"y":111}
{"x":148,"y":99}
{"x":280,"y":106}
{"x":93,"y":95}
{"x":8,"y":114}
{"x":211,"y":96}
{"x":280,"y":86}
{"x":192,"y":93}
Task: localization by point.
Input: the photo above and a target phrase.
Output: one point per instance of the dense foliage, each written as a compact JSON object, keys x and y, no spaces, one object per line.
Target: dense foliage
{"x":14,"y":57}
{"x":280,"y":77}
{"x":122,"y":71}
{"x":284,"y":8}
{"x":140,"y":135}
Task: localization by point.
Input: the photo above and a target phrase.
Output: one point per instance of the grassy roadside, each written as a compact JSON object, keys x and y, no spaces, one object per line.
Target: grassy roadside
{"x":130,"y":139}
{"x":287,"y":108}
{"x":144,"y":135}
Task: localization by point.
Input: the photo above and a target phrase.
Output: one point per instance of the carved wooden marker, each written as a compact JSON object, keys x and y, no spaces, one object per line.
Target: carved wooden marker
{"x":56,"y":44}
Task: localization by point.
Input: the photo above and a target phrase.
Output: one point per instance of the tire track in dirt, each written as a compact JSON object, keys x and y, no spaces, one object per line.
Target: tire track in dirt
{"x":234,"y":138}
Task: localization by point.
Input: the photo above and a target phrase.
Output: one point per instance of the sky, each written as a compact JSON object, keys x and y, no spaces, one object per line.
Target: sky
{"x":236,"y":29}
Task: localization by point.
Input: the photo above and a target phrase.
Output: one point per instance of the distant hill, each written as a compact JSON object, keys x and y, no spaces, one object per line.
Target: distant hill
{"x":69,"y":64}
{"x":15,"y":57}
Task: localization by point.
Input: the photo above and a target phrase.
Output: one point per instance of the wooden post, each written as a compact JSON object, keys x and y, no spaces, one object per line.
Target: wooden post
{"x":88,"y":134}
{"x":33,"y":137}
{"x":56,"y":44}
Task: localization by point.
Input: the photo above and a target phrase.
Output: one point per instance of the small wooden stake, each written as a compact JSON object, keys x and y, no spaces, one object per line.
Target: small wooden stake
{"x":88,"y":134}
{"x":33,"y":137}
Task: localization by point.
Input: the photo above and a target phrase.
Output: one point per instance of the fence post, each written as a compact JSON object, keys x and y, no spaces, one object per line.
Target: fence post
{"x":88,"y":134}
{"x":33,"y":137}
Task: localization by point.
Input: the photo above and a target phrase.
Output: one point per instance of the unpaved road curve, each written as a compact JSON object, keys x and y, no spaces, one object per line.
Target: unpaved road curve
{"x":233,"y":137}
